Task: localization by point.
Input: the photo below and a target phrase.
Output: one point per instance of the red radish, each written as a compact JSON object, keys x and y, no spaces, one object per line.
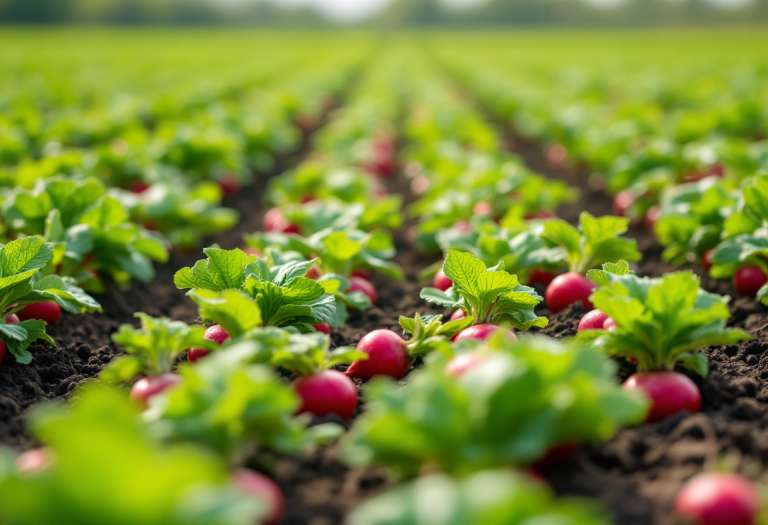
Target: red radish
{"x":622,"y":202}
{"x":748,"y":279}
{"x":610,"y":324}
{"x":363,"y":274}
{"x":568,"y":288}
{"x":541,"y":214}
{"x":275,"y":221}
{"x":669,"y":393}
{"x":420,"y":184}
{"x":441,"y":281}
{"x":387,"y":353}
{"x":718,"y":499}
{"x":149,"y":386}
{"x":380,"y":191}
{"x":482,"y":208}
{"x":322,"y":327}
{"x":13,"y":318}
{"x":2,"y":352}
{"x":214,"y":333}
{"x":358,"y":284}
{"x":229,"y":185}
{"x":716,"y":170}
{"x":481,"y":332}
{"x":313,"y":272}
{"x":250,"y":250}
{"x":556,"y":155}
{"x":138,"y":187}
{"x":48,"y":311}
{"x":327,"y":392}
{"x":542,"y":277}
{"x":556,"y":455}
{"x":33,"y":461}
{"x":266,"y":490}
{"x":460,"y":364}
{"x":653,"y":214}
{"x":150,"y":227}
{"x":307,"y":198}
{"x":594,"y":320}
{"x":462,"y":226}
{"x":706,"y":260}
{"x":459,"y":313}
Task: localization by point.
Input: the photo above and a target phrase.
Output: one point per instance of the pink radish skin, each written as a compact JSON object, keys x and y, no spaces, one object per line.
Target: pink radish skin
{"x":541,"y":214}
{"x":363,"y":274}
{"x":462,"y":226}
{"x":13,"y":318}
{"x":265,"y":489}
{"x":323,"y":328}
{"x":567,"y":289}
{"x":668,"y":392}
{"x":706,"y":260}
{"x":718,"y":499}
{"x":48,"y":311}
{"x":610,"y":324}
{"x":481,"y":332}
{"x":654,"y":212}
{"x":276,"y":222}
{"x":459,"y":365}
{"x":33,"y":461}
{"x":214,"y":333}
{"x":541,"y":277}
{"x":358,"y":284}
{"x":229,"y":185}
{"x":388,"y":356}
{"x":147,"y":387}
{"x":748,"y":279}
{"x":622,"y":202}
{"x":457,"y":314}
{"x":482,"y":209}
{"x":441,"y":281}
{"x":594,"y":320}
{"x":313,"y":273}
{"x":327,"y":392}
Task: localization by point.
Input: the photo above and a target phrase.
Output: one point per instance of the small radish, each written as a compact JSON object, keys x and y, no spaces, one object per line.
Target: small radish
{"x":462,"y":226}
{"x":327,"y":392}
{"x":653,"y":214}
{"x":2,"y":352}
{"x":748,"y":280}
{"x":358,"y":284}
{"x":556,"y":155}
{"x":481,"y":332}
{"x":460,"y":364}
{"x":48,"y":311}
{"x":718,"y":499}
{"x":313,"y":272}
{"x":265,"y":490}
{"x":541,"y":214}
{"x":542,"y":277}
{"x":610,"y":324}
{"x":214,"y":333}
{"x":441,"y":282}
{"x":322,"y":327}
{"x":482,"y":209}
{"x":33,"y":461}
{"x":594,"y":320}
{"x":363,"y":274}
{"x":566,"y":289}
{"x":622,"y":202}
{"x":13,"y":318}
{"x":229,"y":185}
{"x":146,"y":387}
{"x":706,"y":260}
{"x":668,"y":392}
{"x":138,"y":187}
{"x":459,"y":313}
{"x":387,"y":355}
{"x":275,"y":221}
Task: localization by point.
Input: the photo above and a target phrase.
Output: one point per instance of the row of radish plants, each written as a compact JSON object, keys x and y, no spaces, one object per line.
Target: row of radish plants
{"x":486,"y":406}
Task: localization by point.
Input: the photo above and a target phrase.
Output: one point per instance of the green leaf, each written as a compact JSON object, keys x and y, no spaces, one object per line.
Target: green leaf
{"x":223,"y":270}
{"x":19,"y":336}
{"x":234,"y":310}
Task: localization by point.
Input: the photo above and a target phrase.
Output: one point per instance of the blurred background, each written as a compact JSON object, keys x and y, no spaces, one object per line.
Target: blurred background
{"x":388,"y":13}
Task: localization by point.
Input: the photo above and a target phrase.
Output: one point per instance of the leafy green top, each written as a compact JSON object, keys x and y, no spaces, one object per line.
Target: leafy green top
{"x":429,"y":334}
{"x":145,"y":482}
{"x":153,"y":348}
{"x":305,"y":354}
{"x":660,"y":322}
{"x":471,"y":423}
{"x":489,"y":295}
{"x":596,"y":241}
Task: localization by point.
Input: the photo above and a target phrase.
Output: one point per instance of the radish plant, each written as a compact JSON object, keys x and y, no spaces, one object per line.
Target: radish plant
{"x":152,"y":352}
{"x":595,"y":242}
{"x":661,"y":323}
{"x":27,"y":298}
{"x":491,"y":296}
{"x":476,"y":423}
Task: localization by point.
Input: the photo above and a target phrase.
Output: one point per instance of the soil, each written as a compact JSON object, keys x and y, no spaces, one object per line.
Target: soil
{"x":637,"y":474}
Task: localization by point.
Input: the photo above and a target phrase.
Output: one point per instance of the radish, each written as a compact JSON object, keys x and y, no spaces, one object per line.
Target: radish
{"x":718,"y":499}
{"x":706,"y":260}
{"x":229,"y":185}
{"x":327,"y":392}
{"x":358,"y":284}
{"x":2,"y":352}
{"x":622,"y":202}
{"x":610,"y":324}
{"x":482,"y":209}
{"x":556,"y":155}
{"x":214,"y":333}
{"x":313,"y":272}
{"x":13,"y":318}
{"x":146,"y":387}
{"x":275,"y":221}
{"x":748,"y":280}
{"x":556,"y":455}
{"x":33,"y":461}
{"x":460,"y":364}
{"x":481,"y":332}
{"x":265,"y":490}
{"x":387,"y":355}
{"x":653,"y":214}
{"x":566,"y":289}
{"x":48,"y":311}
{"x":594,"y":320}
{"x":541,"y":214}
{"x":324,"y":328}
{"x":363,"y":274}
{"x":462,"y":226}
{"x":459,"y":313}
{"x":441,"y":282}
{"x":542,"y":277}
{"x":138,"y":187}
{"x":669,"y":393}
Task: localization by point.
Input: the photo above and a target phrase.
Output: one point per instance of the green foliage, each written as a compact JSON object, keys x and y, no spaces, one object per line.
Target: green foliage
{"x":429,"y":334}
{"x":154,"y":348}
{"x":510,"y":409}
{"x":661,"y":322}
{"x":489,"y":295}
{"x":106,"y":469}
{"x":491,"y":497}
{"x":595,"y":242}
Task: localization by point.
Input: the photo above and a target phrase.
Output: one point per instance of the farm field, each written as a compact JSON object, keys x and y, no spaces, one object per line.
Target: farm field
{"x":509,"y":276}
